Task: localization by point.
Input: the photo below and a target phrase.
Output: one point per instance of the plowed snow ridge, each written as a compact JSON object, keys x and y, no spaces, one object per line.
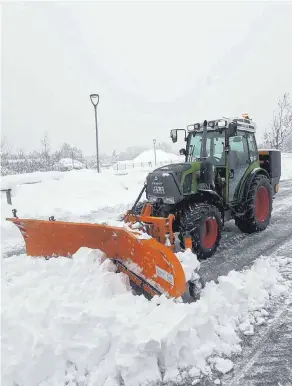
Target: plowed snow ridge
{"x":76,"y":319}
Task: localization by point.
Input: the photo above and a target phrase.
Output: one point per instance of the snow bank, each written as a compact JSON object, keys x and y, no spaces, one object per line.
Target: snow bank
{"x":11,"y":181}
{"x":190,"y":263}
{"x":78,"y":194}
{"x":161,"y":156}
{"x":147,"y":158}
{"x":76,"y":320}
{"x":83,"y":196}
{"x":69,"y":164}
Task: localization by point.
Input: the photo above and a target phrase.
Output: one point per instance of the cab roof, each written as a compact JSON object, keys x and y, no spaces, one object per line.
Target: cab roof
{"x":245,"y":124}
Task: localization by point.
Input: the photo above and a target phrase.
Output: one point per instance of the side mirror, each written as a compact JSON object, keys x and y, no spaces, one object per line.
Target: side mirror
{"x":232,"y":129}
{"x":173,"y":135}
{"x":182,"y":152}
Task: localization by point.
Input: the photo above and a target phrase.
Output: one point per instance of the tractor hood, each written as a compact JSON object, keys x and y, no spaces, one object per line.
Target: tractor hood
{"x":165,"y":183}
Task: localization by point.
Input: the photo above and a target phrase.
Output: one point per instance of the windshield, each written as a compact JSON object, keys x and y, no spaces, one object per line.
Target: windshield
{"x":214,"y":146}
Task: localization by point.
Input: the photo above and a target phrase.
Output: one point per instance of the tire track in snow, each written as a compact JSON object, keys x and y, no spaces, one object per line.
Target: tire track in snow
{"x":242,"y":254}
{"x":270,"y":362}
{"x":267,"y":356}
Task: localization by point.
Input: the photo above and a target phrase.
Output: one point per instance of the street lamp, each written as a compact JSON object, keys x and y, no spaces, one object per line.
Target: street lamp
{"x":95,"y":99}
{"x":154,"y":145}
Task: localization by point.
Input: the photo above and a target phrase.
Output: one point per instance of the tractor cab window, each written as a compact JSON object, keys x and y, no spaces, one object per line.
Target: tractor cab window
{"x":253,"y":153}
{"x":239,"y":154}
{"x":214,"y":146}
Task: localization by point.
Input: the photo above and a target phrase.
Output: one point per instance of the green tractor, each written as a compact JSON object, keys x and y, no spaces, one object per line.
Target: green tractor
{"x":224,"y":177}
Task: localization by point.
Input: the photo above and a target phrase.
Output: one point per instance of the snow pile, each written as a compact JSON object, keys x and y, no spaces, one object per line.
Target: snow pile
{"x":190,"y":264}
{"x":147,"y":158}
{"x":69,"y":164}
{"x":76,"y":320}
{"x":161,"y":156}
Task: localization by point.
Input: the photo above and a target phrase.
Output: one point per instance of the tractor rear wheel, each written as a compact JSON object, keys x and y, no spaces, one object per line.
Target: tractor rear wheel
{"x":258,"y":208}
{"x":203,"y":223}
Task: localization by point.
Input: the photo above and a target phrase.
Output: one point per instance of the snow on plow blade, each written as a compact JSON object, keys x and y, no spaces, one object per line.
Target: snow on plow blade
{"x":149,"y":264}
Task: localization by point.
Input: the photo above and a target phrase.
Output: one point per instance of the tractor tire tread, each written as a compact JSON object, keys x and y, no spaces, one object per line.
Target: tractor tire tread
{"x":248,"y":223}
{"x":190,"y":222}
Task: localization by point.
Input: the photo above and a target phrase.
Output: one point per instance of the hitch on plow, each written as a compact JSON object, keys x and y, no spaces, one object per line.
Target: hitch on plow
{"x":159,"y":228}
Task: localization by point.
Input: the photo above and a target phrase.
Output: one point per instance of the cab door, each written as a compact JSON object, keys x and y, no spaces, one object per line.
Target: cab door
{"x":239,"y":161}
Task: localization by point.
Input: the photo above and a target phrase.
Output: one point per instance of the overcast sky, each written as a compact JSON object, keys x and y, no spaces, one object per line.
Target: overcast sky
{"x":156,"y":67}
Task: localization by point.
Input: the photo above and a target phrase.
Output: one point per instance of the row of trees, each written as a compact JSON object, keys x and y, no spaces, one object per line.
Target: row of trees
{"x":43,"y":160}
{"x":46,"y":159}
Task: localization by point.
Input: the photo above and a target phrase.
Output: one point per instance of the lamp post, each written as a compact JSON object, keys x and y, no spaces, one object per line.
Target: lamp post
{"x":154,"y":146}
{"x":95,"y":99}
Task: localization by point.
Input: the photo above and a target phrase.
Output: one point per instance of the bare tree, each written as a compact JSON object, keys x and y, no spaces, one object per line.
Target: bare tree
{"x":68,"y":151}
{"x":20,"y":154}
{"x":281,"y":127}
{"x":5,"y":155}
{"x":46,"y":149}
{"x":5,"y":150}
{"x":114,"y":157}
{"x":288,"y":144}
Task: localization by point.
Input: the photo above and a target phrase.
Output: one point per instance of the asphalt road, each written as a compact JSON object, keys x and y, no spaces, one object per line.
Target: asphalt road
{"x":266,"y":358}
{"x":238,"y":250}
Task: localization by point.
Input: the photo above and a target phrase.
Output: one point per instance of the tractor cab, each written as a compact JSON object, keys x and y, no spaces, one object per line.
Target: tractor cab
{"x":228,"y":144}
{"x":214,"y":138}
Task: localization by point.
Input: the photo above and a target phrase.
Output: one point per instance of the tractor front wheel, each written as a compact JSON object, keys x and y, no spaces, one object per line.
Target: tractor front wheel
{"x":203,"y":223}
{"x":258,"y":207}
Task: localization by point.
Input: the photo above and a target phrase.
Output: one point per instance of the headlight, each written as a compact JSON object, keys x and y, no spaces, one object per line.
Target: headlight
{"x":168,"y":200}
{"x":193,"y":127}
{"x":222,"y":123}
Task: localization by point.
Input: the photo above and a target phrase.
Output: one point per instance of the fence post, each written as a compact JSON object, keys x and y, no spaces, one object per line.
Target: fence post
{"x":8,"y":195}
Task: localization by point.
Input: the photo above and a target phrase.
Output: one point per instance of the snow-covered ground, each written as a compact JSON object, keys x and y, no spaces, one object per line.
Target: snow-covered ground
{"x":78,"y":321}
{"x":74,"y":196}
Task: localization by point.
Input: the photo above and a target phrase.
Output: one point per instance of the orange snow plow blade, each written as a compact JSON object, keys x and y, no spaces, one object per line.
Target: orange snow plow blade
{"x":149,"y":264}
